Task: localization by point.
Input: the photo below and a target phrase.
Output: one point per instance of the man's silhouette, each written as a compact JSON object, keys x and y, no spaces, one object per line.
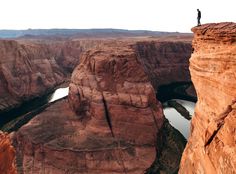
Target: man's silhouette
{"x":198,"y":17}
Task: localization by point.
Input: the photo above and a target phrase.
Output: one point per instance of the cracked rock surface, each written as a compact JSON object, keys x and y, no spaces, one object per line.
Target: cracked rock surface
{"x":27,"y":71}
{"x":110,"y":122}
{"x":7,"y":155}
{"x":114,"y":124}
{"x":212,"y":144}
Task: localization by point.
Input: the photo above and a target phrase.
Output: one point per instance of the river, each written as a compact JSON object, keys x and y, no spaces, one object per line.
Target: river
{"x":176,"y":120}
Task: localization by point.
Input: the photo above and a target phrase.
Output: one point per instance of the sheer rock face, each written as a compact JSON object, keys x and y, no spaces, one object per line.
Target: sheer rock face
{"x":112,"y":95}
{"x":212,"y":145}
{"x":67,"y":53}
{"x":31,"y":69}
{"x":115,"y":126}
{"x":7,"y":155}
{"x":112,"y":126}
{"x":26,"y":71}
{"x":165,"y":62}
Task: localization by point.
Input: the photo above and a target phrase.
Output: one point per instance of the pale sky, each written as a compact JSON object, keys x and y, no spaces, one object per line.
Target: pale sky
{"x":158,"y":15}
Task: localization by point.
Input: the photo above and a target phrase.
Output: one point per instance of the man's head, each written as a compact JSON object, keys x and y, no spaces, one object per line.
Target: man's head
{"x":197,"y":9}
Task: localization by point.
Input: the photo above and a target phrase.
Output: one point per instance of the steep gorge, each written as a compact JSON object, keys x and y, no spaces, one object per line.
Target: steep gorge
{"x":26,"y":71}
{"x":116,"y":124}
{"x":97,"y":137}
{"x":32,"y":69}
{"x":211,"y":147}
{"x":165,"y":62}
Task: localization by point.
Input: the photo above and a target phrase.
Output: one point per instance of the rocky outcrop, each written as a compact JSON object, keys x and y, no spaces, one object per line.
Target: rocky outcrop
{"x":31,"y":69}
{"x":115,"y":126}
{"x":212,"y":145}
{"x":7,"y":155}
{"x":26,"y":71}
{"x":116,"y":123}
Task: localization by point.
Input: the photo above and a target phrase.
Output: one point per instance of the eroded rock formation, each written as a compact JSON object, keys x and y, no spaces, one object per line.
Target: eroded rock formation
{"x":165,"y":62}
{"x":212,"y":145}
{"x":7,"y":155}
{"x":67,"y":53}
{"x":31,"y":69}
{"x":26,"y":71}
{"x":115,"y":126}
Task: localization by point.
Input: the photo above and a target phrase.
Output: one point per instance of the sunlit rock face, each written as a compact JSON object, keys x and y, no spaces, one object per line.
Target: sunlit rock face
{"x":212,"y":145}
{"x":7,"y":155}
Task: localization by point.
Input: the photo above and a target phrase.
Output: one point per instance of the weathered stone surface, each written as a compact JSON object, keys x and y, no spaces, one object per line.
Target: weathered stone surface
{"x":212,"y":145}
{"x":31,"y":69}
{"x":42,"y":145}
{"x":26,"y":71}
{"x":67,"y":53}
{"x":116,"y":123}
{"x":110,"y":85}
{"x":165,"y":62}
{"x":7,"y":155}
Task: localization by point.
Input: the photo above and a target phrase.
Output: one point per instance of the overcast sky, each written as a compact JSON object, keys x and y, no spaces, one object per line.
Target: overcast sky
{"x":158,"y":15}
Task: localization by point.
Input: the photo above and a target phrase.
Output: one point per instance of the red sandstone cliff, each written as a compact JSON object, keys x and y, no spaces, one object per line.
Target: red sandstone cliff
{"x":116,"y":123}
{"x":7,"y":155}
{"x":114,"y":131}
{"x":31,"y":69}
{"x":212,"y":145}
{"x":165,"y":62}
{"x":26,"y":71}
{"x":67,"y":53}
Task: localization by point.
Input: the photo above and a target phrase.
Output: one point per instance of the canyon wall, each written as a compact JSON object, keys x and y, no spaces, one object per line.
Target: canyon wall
{"x":26,"y":71}
{"x":115,"y":126}
{"x":30,"y":69}
{"x":7,"y":155}
{"x":117,"y":121}
{"x":211,"y":147}
{"x":165,"y":62}
{"x":67,"y":53}
{"x":111,"y":122}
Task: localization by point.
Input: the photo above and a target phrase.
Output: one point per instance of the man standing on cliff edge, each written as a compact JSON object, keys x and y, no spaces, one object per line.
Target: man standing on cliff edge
{"x":198,"y":17}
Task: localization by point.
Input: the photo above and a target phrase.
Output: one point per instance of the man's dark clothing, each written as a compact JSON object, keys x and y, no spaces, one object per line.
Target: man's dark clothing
{"x":198,"y":17}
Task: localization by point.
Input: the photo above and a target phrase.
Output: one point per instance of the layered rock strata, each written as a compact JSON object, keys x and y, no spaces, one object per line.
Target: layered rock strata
{"x":212,"y":144}
{"x":165,"y":62}
{"x":67,"y":53}
{"x":31,"y":69}
{"x":116,"y":123}
{"x":115,"y":126}
{"x":7,"y":155}
{"x":26,"y":71}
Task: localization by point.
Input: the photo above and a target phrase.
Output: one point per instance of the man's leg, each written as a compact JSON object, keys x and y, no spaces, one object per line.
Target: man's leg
{"x":198,"y":22}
